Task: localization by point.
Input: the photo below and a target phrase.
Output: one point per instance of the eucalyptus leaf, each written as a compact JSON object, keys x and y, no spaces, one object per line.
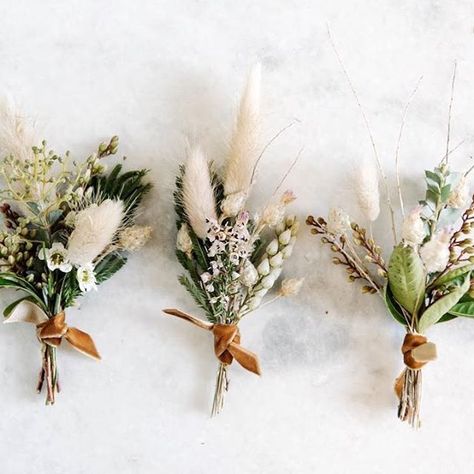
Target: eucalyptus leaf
{"x":452,"y":275}
{"x":406,"y":277}
{"x":444,"y":305}
{"x":464,"y":309}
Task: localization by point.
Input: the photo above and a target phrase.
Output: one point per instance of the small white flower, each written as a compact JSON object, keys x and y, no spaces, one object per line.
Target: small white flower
{"x":205,"y":277}
{"x":435,"y":253}
{"x":264,"y":267}
{"x":56,"y":258}
{"x":86,"y":277}
{"x":272,"y":247}
{"x":285,"y":237}
{"x":210,"y":288}
{"x":134,"y":237}
{"x":413,"y":228}
{"x":249,"y":275}
{"x":233,"y":204}
{"x":338,"y":221}
{"x":183,"y":240}
{"x":290,"y":286}
{"x":276,"y":260}
{"x":460,"y":195}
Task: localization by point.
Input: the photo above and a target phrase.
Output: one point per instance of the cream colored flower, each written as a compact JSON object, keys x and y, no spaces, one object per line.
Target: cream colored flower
{"x":233,"y":204}
{"x":435,"y":253}
{"x":459,"y":197}
{"x":134,"y":237}
{"x":290,"y":286}
{"x":183,"y":240}
{"x":413,"y":228}
{"x":338,"y":221}
{"x":249,"y":275}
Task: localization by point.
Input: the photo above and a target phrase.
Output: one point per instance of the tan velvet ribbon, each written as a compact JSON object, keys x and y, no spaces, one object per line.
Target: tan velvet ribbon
{"x":417,"y":352}
{"x":226,"y":341}
{"x":54,"y":329}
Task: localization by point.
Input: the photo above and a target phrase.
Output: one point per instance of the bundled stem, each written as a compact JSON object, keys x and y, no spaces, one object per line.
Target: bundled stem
{"x":222,"y":385}
{"x":410,"y":397}
{"x":49,"y":374}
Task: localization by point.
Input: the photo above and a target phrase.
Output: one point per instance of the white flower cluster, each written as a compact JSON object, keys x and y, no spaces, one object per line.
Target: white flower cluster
{"x":435,"y":253}
{"x":270,"y":266}
{"x":413,"y":227}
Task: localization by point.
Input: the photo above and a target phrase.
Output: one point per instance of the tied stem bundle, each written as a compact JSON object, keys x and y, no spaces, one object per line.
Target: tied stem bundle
{"x":232,"y":260}
{"x":68,"y":226}
{"x":428,"y":277}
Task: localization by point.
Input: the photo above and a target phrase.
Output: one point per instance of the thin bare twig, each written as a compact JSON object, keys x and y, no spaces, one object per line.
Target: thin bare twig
{"x":284,"y":129}
{"x":280,"y":184}
{"x":453,"y":83}
{"x":367,"y":126}
{"x":397,"y":151}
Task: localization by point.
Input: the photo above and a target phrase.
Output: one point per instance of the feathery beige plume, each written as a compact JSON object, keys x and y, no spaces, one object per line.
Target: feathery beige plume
{"x":367,"y":185}
{"x":198,"y":194}
{"x":95,"y":229}
{"x":17,"y":136}
{"x":244,"y":145}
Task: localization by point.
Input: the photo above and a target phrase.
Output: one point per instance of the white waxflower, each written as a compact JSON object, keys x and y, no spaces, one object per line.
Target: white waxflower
{"x":56,"y":258}
{"x":183,"y":240}
{"x":338,"y":221}
{"x":290,"y":286}
{"x":86,"y":277}
{"x":233,"y":204}
{"x":459,"y":197}
{"x":134,"y":237}
{"x":413,"y":227}
{"x":249,"y":275}
{"x":435,"y":253}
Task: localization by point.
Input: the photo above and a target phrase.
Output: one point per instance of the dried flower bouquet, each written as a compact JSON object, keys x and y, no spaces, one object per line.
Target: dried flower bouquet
{"x":428,"y":276}
{"x":68,"y":227}
{"x":232,"y":259}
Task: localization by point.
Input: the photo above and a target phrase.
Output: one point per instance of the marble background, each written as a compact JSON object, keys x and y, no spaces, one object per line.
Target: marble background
{"x":154,"y":72}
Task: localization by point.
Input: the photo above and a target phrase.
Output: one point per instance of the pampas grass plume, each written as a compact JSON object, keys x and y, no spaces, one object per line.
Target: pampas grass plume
{"x":367,"y":186}
{"x":95,"y":229}
{"x":244,"y":145}
{"x":198,"y":194}
{"x":17,"y":136}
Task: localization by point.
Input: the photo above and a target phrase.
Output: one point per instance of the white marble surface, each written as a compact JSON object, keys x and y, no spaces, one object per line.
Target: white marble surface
{"x":155,"y":71}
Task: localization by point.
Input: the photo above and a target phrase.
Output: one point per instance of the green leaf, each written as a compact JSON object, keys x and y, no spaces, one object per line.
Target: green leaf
{"x":464,"y":309}
{"x":393,"y":307}
{"x":10,"y":280}
{"x":108,"y":266}
{"x":445,"y":192}
{"x":406,"y":277}
{"x":442,"y":306}
{"x":198,"y":294}
{"x":452,"y":275}
{"x":433,"y":177}
{"x":8,"y":310}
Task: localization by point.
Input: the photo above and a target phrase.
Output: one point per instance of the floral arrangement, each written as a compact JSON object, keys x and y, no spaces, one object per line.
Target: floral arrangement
{"x":67,"y":227}
{"x":427,"y":279}
{"x":232,"y":259}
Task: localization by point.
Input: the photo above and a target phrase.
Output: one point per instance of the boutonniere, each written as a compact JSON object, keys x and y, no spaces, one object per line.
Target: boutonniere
{"x":68,"y":226}
{"x":232,"y":258}
{"x":426,"y":278}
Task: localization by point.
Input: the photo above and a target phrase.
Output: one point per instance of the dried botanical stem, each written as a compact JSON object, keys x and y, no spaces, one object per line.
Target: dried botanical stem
{"x":410,"y":401}
{"x":371,"y":137}
{"x":374,"y":252}
{"x":397,"y":151}
{"x":453,"y":82}
{"x":222,"y":384}
{"x":347,"y":255}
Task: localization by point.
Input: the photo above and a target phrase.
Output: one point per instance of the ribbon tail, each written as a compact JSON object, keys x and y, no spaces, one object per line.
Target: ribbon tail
{"x":187,"y":317}
{"x":399,"y":384}
{"x":82,"y":342}
{"x":247,"y":359}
